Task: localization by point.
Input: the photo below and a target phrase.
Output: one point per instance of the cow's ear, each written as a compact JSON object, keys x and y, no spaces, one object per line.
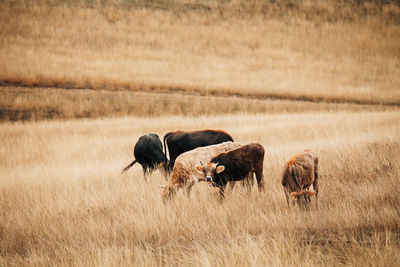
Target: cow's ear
{"x":311,"y":193}
{"x":294,"y":195}
{"x":199,"y":168}
{"x":220,"y":169}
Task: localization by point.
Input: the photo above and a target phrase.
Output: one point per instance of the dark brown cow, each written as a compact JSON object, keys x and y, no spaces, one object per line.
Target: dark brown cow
{"x":185,"y":173}
{"x":299,"y":173}
{"x":179,"y":142}
{"x":235,"y":165}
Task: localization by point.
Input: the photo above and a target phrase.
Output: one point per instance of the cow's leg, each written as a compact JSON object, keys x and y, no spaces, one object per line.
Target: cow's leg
{"x":171,"y":163}
{"x":315,"y":187}
{"x":189,"y":189}
{"x":170,"y":168}
{"x":232,"y":185}
{"x":161,"y":167}
{"x":166,"y":169}
{"x":169,"y":192}
{"x":315,"y":183}
{"x":145,"y":173}
{"x":165,"y":174}
{"x":260,"y":177}
{"x":248,"y":182}
{"x":151,"y":170}
{"x":222,"y":192}
{"x":172,"y":188}
{"x":307,"y":200}
{"x":287,"y":197}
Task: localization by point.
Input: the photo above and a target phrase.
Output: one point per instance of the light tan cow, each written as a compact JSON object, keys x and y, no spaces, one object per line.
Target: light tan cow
{"x":299,"y":174}
{"x":184,"y":173}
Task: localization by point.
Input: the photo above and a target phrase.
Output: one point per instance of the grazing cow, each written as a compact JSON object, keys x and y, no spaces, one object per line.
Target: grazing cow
{"x":149,"y":153}
{"x":179,"y":142}
{"x":185,"y":173}
{"x":235,"y":165}
{"x":299,"y":173}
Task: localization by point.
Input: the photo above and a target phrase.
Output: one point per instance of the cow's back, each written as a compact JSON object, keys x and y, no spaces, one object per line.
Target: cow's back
{"x":203,"y":155}
{"x":181,"y":142}
{"x":238,"y":162}
{"x":148,"y":149}
{"x":247,"y":154}
{"x":303,"y":166}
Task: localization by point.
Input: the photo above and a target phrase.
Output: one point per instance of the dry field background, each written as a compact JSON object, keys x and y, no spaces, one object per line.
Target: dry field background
{"x":291,"y":75}
{"x":317,"y":50}
{"x":21,"y":103}
{"x":63,"y":200}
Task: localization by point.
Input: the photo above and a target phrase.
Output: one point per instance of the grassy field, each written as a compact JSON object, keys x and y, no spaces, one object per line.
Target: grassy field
{"x":34,"y":104}
{"x":290,"y":75}
{"x":316,"y":50}
{"x":63,"y":201}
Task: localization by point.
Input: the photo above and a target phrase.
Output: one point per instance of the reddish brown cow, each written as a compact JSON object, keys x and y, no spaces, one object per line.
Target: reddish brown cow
{"x":235,"y":165}
{"x":299,"y":174}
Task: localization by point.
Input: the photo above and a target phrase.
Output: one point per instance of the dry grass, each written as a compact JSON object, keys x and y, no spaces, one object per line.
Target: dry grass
{"x":319,"y":50}
{"x":20,"y":103}
{"x":63,"y":202}
{"x":62,"y":199}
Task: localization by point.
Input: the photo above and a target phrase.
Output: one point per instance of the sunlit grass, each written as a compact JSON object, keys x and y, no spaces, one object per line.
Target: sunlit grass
{"x":318,"y":50}
{"x":158,"y":66}
{"x":20,"y":103}
{"x":64,"y":202}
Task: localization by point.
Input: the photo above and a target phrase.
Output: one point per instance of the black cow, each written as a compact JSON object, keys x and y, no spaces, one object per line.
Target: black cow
{"x":235,"y":165}
{"x":179,"y":142}
{"x":149,"y":153}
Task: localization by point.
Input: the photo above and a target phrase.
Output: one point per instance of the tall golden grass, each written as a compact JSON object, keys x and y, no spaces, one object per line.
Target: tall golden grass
{"x":63,"y":201}
{"x":21,"y":103}
{"x":318,"y":50}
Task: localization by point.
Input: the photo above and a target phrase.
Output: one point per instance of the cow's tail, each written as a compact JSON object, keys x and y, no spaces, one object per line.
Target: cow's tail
{"x":127,"y":167}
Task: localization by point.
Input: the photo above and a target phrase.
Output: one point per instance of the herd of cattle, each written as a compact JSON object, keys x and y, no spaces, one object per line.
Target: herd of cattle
{"x":212,"y":156}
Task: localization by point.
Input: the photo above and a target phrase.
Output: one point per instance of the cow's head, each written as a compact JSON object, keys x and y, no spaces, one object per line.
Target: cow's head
{"x":303,"y":197}
{"x":302,"y":193}
{"x":210,"y":170}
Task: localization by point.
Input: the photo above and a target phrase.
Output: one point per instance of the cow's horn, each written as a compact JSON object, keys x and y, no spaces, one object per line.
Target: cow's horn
{"x":201,"y":163}
{"x":161,"y":186}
